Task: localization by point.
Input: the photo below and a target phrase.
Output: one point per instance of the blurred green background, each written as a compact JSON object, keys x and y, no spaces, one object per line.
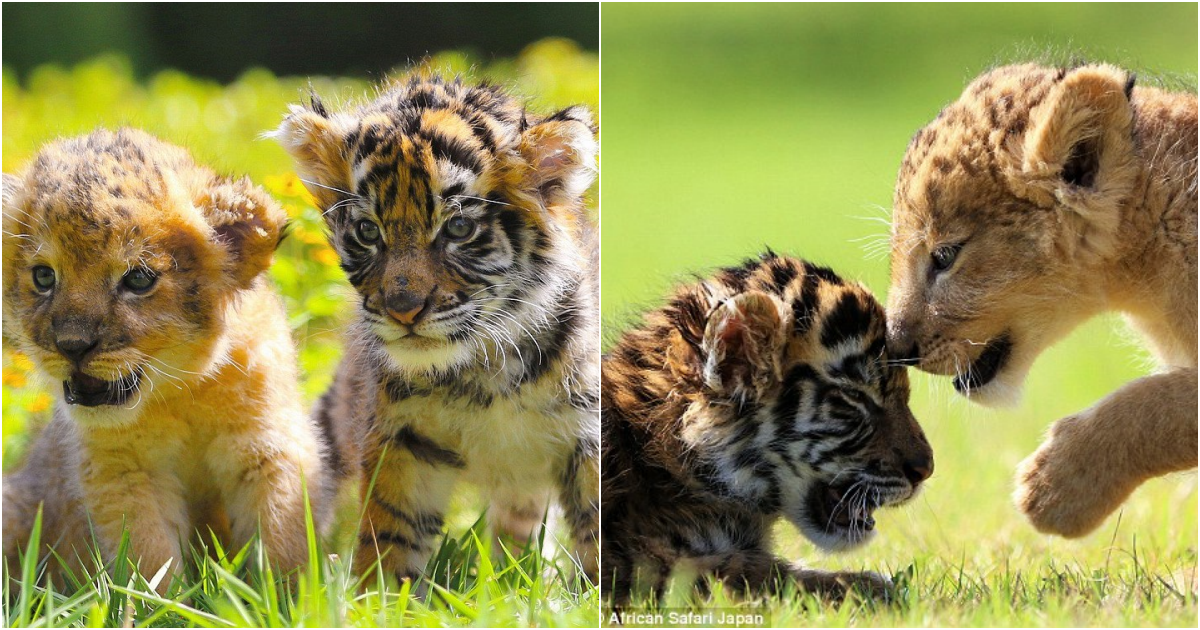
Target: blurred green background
{"x":730,"y":128}
{"x":220,"y":41}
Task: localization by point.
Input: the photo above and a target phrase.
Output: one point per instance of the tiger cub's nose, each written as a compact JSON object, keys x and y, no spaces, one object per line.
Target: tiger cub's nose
{"x":407,"y":307}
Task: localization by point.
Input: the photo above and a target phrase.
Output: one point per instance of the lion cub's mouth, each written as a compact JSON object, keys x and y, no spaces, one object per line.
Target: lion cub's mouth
{"x":90,"y":391}
{"x":985,"y":368}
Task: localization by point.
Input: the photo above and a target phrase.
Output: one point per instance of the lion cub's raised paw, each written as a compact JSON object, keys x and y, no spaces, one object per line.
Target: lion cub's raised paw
{"x":1068,"y":486}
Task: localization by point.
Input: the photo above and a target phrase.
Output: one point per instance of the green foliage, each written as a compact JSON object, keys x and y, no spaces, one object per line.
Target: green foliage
{"x":222,"y":125}
{"x":732,"y":127}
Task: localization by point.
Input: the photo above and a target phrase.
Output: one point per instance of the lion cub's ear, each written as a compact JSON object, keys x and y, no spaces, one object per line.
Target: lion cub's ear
{"x":743,"y":344}
{"x":1079,"y":152}
{"x":247,"y":224}
{"x":13,"y":189}
{"x":316,"y":140}
{"x":561,"y":154}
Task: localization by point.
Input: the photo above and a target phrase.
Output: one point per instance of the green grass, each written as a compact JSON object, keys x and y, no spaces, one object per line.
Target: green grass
{"x":729,"y":128}
{"x":471,"y":581}
{"x":221,"y":126}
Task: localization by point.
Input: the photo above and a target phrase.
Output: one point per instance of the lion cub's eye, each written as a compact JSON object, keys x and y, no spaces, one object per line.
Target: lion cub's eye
{"x":43,"y":278}
{"x":367,"y":231}
{"x":944,"y":256}
{"x":138,"y":280}
{"x":459,"y":228}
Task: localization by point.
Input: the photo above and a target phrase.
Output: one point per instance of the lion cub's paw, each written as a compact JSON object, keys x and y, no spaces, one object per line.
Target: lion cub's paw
{"x":1069,"y":485}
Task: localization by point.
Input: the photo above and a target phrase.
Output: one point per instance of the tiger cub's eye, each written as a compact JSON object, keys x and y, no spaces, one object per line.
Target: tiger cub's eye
{"x":138,"y":280}
{"x":43,"y":278}
{"x":368,"y":232}
{"x":459,"y":228}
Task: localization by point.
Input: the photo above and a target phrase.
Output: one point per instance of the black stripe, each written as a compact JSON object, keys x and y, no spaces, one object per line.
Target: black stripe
{"x":847,"y":319}
{"x":456,"y":151}
{"x":423,"y":523}
{"x":482,"y":133}
{"x":332,"y":453}
{"x":452,"y":191}
{"x":389,"y":538}
{"x":426,"y":449}
{"x":538,"y":363}
{"x":782,"y":273}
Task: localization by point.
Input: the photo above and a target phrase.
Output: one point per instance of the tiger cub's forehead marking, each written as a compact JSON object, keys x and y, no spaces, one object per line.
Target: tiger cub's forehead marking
{"x":412,"y":153}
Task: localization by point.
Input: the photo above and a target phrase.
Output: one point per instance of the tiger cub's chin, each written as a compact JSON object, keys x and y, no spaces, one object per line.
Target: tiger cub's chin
{"x":763,"y":392}
{"x":422,"y":355}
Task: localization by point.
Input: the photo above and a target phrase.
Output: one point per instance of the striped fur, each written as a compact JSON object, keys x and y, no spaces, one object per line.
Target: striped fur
{"x":759,"y":393}
{"x":459,"y":219}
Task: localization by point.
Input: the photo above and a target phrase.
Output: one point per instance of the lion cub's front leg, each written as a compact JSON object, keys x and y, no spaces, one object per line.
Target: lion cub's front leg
{"x":1093,"y":460}
{"x":262,"y":478}
{"x":122,"y":492}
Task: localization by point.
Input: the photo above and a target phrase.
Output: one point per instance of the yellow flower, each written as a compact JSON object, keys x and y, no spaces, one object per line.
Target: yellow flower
{"x":21,"y":361}
{"x":13,"y":378}
{"x":326,"y":256}
{"x":40,"y":403}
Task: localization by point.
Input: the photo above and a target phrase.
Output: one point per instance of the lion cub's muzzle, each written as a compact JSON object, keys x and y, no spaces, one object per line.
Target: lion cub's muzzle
{"x":90,"y":391}
{"x":984,"y":369}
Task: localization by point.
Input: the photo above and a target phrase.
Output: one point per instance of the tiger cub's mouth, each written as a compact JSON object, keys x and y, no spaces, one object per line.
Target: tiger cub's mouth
{"x":90,"y":391}
{"x":844,"y":512}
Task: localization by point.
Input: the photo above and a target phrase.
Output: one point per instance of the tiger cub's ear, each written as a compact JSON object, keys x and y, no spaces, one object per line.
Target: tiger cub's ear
{"x":247,"y":225}
{"x":561,"y":154}
{"x":743,"y":344}
{"x":316,"y":140}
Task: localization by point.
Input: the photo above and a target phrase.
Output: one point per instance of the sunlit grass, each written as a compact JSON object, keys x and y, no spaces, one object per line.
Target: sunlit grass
{"x":472,"y":580}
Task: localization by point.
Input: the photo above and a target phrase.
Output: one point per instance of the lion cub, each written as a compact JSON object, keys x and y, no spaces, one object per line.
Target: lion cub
{"x":1042,"y":197}
{"x":134,"y":277}
{"x":761,"y":393}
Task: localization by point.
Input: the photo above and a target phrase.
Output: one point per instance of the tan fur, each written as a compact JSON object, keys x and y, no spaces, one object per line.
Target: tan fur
{"x":214,"y":435}
{"x":1069,"y":192}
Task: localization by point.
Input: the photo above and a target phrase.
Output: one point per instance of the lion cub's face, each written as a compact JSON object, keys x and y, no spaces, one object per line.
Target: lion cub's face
{"x":120,"y":256}
{"x":1002,"y":205}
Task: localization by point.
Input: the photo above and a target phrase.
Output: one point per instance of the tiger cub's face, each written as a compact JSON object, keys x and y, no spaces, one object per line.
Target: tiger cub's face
{"x":448,"y":206}
{"x":120,"y":256}
{"x":800,"y":411}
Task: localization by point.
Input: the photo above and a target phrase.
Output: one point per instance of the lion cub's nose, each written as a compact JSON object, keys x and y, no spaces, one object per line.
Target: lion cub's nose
{"x":408,"y":308}
{"x":76,"y":348}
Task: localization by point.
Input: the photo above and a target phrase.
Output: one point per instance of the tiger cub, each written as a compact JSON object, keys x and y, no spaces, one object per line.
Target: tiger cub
{"x":762,"y":392}
{"x":459,"y":219}
{"x":134,"y":279}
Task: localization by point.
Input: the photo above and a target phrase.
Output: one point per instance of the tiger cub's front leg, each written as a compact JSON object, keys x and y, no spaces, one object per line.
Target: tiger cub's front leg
{"x":405,"y":508}
{"x":579,"y":492}
{"x":762,"y":571}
